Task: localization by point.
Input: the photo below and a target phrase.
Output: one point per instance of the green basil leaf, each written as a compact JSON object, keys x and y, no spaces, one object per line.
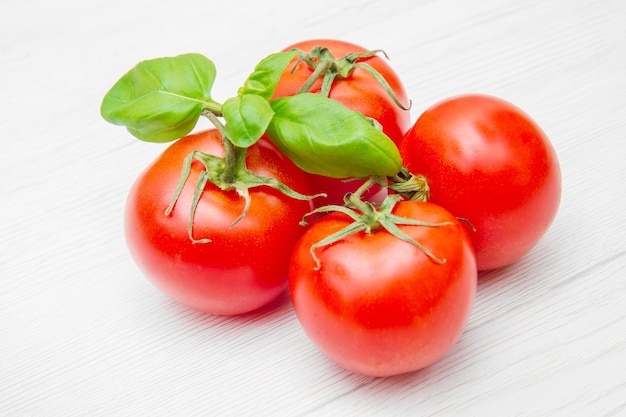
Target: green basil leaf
{"x":324,"y":137}
{"x":247,"y":118}
{"x":263,"y":80}
{"x":160,"y":100}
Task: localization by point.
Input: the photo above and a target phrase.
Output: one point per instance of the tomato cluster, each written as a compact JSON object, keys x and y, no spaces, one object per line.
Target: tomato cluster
{"x":403,"y":217}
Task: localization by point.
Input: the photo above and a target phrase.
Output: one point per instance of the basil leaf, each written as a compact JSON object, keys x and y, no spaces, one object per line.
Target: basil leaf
{"x":247,"y":118}
{"x":324,"y":137}
{"x":160,"y":100}
{"x":263,"y":80}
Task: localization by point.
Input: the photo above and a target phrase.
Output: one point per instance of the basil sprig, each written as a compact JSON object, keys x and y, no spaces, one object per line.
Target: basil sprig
{"x":161,"y":100}
{"x":324,"y":137}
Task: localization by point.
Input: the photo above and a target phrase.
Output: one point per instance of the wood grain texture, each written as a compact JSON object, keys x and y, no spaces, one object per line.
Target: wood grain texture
{"x":82,"y":333}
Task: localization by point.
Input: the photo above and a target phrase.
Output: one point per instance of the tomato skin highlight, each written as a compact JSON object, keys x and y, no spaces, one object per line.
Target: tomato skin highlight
{"x":244,"y":267}
{"x":359,"y":92}
{"x":487,"y":161}
{"x":379,"y":306}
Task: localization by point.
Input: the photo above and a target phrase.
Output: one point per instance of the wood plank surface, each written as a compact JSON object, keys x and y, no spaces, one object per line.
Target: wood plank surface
{"x":83,"y":333}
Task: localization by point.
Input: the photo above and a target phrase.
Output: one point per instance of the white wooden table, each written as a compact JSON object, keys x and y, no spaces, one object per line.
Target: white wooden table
{"x":83,"y":333}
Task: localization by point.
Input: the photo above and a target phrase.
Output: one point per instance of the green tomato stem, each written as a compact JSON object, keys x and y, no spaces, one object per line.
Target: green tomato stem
{"x":235,"y":157}
{"x":355,"y":199}
{"x":413,"y":187}
{"x":323,"y":67}
{"x":214,"y":107}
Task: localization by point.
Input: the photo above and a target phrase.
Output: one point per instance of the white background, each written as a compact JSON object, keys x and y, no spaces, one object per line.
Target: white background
{"x":83,"y":333}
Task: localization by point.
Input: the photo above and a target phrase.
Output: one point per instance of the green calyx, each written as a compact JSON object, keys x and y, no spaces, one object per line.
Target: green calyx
{"x":229,"y":174}
{"x":325,"y":65}
{"x":370,"y":219}
{"x":413,"y":187}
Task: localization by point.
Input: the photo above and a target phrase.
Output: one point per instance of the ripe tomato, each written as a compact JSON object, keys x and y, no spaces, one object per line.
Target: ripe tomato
{"x":243,"y":267}
{"x":359,"y":92}
{"x":487,"y":161}
{"x":378,"y":305}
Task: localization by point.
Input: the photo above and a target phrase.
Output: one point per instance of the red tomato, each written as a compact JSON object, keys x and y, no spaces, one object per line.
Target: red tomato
{"x":378,"y":305}
{"x":243,"y":267}
{"x":359,"y":92}
{"x":487,"y":161}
